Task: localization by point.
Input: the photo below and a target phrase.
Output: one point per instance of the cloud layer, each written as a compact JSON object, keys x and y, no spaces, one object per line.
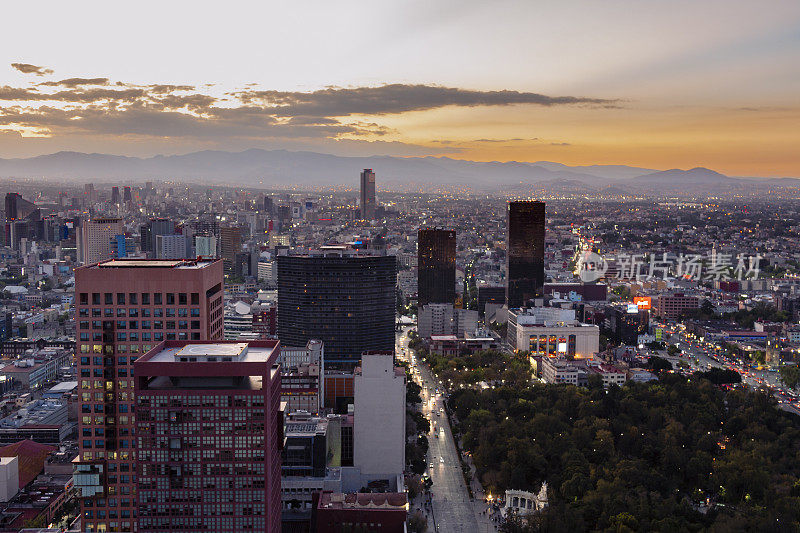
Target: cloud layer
{"x":98,"y":106}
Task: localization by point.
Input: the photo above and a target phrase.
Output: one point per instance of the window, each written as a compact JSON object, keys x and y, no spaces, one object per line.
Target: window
{"x":182,"y":298}
{"x":133,"y":312}
{"x":145,"y":298}
{"x":170,"y":298}
{"x":84,"y":298}
{"x":157,"y":298}
{"x":133,"y":298}
{"x":195,"y":298}
{"x":120,"y":298}
{"x":95,"y":298}
{"x":109,"y":298}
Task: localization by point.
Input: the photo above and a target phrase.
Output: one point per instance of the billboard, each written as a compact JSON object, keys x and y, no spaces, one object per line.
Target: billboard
{"x":633,"y":308}
{"x":642,"y":302}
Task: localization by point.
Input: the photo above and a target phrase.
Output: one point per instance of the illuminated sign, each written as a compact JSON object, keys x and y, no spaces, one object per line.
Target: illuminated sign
{"x":562,"y":347}
{"x":642,"y":302}
{"x":633,"y":308}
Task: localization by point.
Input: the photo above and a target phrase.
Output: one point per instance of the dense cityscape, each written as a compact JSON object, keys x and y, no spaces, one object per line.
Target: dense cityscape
{"x":400,"y":267}
{"x":183,"y":357}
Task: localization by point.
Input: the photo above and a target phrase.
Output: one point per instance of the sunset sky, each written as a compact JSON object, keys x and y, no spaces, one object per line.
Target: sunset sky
{"x":658,"y":84}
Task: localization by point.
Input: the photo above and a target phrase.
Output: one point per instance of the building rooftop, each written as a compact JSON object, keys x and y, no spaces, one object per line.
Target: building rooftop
{"x":213,"y":353}
{"x":151,"y":263}
{"x":391,"y":500}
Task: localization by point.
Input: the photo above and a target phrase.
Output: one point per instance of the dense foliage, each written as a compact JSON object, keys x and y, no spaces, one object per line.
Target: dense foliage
{"x":645,"y":457}
{"x":490,"y":366}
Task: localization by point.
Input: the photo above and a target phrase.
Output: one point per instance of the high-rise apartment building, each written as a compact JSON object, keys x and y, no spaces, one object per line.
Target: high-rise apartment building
{"x":209,"y":434}
{"x":97,"y":239}
{"x":367,"y":202}
{"x":230,"y":244}
{"x":123,"y":308}
{"x":343,"y":297}
{"x":525,"y":252}
{"x":174,"y":246}
{"x":436,"y":263}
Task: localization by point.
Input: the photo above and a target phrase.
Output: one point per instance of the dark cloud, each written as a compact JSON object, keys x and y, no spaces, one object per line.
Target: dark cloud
{"x":27,"y":68}
{"x":560,"y":144}
{"x":397,"y":98}
{"x":516,"y":139}
{"x":75,"y":82}
{"x":98,"y":106}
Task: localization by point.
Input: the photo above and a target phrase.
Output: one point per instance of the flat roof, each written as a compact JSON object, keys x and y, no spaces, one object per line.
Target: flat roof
{"x":152,"y":263}
{"x":240,"y":352}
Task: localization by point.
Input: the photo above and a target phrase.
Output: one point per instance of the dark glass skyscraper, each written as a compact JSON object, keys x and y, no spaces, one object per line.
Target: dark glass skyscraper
{"x":367,"y":201}
{"x":525,"y":253}
{"x":436,"y":261}
{"x":345,"y":298}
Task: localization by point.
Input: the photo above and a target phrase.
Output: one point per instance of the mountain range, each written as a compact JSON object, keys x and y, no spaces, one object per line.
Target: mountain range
{"x":287,"y":169}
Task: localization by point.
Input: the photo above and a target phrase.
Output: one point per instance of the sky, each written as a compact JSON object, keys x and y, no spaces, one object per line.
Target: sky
{"x":650,"y":83}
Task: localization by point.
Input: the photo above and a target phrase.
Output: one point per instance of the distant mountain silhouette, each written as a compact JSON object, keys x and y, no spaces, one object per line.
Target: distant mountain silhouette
{"x":283,"y":168}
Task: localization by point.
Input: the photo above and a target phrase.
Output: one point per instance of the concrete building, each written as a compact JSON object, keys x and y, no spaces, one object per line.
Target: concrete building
{"x":42,"y":421}
{"x":672,"y":306}
{"x":9,"y":478}
{"x":336,"y":512}
{"x":302,"y":377}
{"x":230,"y":244}
{"x":380,"y":420}
{"x":444,"y":319}
{"x":97,"y":239}
{"x":553,"y":332}
{"x":175,"y":246}
{"x":124,"y":308}
{"x":216,"y":408}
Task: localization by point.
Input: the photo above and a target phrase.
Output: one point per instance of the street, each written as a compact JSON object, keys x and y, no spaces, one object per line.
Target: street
{"x":453,"y":511}
{"x":702,"y":357}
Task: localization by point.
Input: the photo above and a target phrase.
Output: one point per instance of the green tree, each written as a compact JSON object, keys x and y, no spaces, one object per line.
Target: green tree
{"x":790,"y":375}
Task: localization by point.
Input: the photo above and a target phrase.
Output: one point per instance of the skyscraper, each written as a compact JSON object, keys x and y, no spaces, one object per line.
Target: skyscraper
{"x":230,"y":244}
{"x":436,"y":262}
{"x":114,"y":195}
{"x":97,"y":239}
{"x":123,"y":309}
{"x":343,"y":297}
{"x":17,"y":208}
{"x":223,"y":432}
{"x":525,"y":252}
{"x":127,"y":197}
{"x":367,"y":199}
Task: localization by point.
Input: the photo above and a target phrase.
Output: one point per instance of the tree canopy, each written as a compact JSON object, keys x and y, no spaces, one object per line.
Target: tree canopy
{"x":644,"y":457}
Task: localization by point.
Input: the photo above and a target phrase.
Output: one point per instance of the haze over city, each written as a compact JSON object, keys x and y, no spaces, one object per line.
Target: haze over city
{"x":658,"y":85}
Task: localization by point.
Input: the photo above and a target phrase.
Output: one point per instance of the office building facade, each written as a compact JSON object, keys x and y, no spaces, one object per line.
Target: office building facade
{"x":436,"y":266}
{"x":345,"y":298}
{"x":124,"y":308}
{"x":367,"y":202}
{"x":230,"y":244}
{"x":209,"y":434}
{"x":97,"y":239}
{"x":525,"y":252}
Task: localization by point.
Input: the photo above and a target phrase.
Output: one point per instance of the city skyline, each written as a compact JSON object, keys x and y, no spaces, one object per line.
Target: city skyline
{"x":704,"y":84}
